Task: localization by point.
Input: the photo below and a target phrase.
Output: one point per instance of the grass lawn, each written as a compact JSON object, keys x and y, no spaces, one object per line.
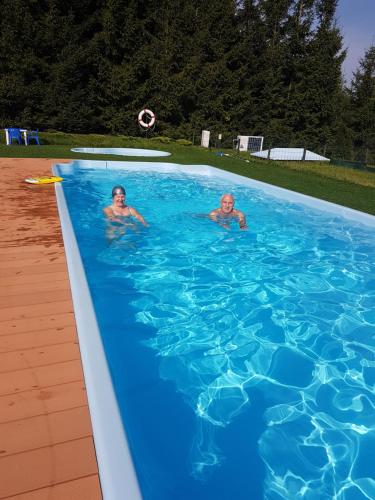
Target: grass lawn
{"x":344,"y":186}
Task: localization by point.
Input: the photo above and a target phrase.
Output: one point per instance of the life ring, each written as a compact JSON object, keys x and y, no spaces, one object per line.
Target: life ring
{"x":43,"y":180}
{"x":151,"y":116}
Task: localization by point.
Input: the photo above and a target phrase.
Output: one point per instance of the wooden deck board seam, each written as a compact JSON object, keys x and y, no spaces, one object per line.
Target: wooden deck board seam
{"x":45,"y":414}
{"x":49,"y":486}
{"x":30,"y":450}
{"x":42,"y":388}
{"x":38,"y":329}
{"x":32,"y":367}
{"x":31,"y":348}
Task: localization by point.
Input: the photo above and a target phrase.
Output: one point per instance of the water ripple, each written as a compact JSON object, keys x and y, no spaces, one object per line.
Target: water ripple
{"x":286,"y":308}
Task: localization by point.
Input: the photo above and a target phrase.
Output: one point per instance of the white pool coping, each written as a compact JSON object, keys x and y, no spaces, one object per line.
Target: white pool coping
{"x":116,"y":469}
{"x":122,"y":151}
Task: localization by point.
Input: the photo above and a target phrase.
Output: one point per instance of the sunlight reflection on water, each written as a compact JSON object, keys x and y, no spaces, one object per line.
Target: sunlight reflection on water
{"x":286,"y":307}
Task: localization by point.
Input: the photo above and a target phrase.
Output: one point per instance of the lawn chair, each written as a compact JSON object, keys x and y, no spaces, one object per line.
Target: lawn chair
{"x":32,"y":134}
{"x":14,"y":133}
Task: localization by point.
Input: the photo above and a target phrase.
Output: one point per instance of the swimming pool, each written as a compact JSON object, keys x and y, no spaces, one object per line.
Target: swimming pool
{"x":122,"y":151}
{"x":242,"y":362}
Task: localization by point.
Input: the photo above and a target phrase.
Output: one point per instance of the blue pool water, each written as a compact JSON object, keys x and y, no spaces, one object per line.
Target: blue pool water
{"x":243,"y":361}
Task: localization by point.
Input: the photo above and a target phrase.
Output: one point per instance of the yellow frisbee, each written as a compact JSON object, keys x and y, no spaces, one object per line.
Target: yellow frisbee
{"x":43,"y":180}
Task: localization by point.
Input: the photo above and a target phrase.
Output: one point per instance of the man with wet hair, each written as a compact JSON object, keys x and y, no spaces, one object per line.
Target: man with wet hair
{"x":119,"y":209}
{"x":227,"y":211}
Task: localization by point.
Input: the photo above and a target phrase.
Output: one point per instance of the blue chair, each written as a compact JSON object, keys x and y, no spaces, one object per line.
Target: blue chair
{"x":32,"y":134}
{"x":14,"y":133}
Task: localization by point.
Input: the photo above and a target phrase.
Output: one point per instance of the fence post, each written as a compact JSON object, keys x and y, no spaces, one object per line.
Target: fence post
{"x":269,"y":152}
{"x":304,"y":154}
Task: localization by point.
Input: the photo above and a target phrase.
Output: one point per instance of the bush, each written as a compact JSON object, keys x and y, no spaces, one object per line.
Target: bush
{"x":163,"y":139}
{"x":184,"y":142}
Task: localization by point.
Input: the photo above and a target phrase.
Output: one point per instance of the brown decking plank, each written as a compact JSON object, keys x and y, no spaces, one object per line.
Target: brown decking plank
{"x":44,"y":430}
{"x":85,"y":488}
{"x":29,"y":250}
{"x":25,"y":280}
{"x":41,"y":356}
{"x":33,"y":297}
{"x":24,"y":312}
{"x":46,"y":466}
{"x":22,"y":238}
{"x":44,"y":321}
{"x":39,"y":261}
{"x":31,"y":340}
{"x":12,"y":255}
{"x":33,"y":269}
{"x":41,"y":401}
{"x":39,"y":377}
{"x":38,"y":286}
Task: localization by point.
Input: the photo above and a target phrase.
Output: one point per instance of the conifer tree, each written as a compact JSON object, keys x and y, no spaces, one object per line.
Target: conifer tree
{"x":257,"y":67}
{"x":268,"y":89}
{"x":321,"y":81}
{"x":362,"y":101}
{"x":168,"y":31}
{"x":22,"y":67}
{"x":70,"y":101}
{"x":299,"y":33}
{"x":247,"y":53}
{"x":216,"y":85}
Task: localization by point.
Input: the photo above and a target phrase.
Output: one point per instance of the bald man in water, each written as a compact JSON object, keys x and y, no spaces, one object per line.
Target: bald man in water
{"x":227,"y":211}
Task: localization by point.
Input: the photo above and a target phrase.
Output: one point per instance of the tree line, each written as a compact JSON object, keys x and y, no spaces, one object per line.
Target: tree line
{"x":251,"y":67}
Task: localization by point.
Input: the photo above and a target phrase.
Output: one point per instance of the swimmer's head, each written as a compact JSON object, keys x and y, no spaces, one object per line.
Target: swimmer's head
{"x":227,"y":196}
{"x":118,"y":190}
{"x":227,"y":203}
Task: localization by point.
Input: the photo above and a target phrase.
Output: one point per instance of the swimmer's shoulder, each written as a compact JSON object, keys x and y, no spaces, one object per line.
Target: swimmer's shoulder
{"x":215,"y":212}
{"x":108,"y":211}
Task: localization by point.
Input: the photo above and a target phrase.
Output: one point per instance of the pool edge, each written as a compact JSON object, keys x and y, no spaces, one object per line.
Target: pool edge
{"x":112,"y":449}
{"x":112,"y":475}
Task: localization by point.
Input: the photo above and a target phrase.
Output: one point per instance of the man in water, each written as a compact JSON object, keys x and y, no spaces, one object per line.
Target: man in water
{"x":227,"y":212}
{"x":118,"y":210}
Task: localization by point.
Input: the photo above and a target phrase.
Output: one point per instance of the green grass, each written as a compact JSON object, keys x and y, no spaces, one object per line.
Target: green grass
{"x":344,"y":186}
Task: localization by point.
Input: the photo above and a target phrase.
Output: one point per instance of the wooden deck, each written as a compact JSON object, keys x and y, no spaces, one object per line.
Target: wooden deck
{"x":46,"y":444}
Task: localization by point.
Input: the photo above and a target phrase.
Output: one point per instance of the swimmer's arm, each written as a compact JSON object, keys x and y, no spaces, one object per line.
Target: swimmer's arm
{"x":138,"y":216}
{"x":242,"y":220}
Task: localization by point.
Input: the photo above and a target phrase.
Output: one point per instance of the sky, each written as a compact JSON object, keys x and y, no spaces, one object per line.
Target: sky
{"x":356,"y":20}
